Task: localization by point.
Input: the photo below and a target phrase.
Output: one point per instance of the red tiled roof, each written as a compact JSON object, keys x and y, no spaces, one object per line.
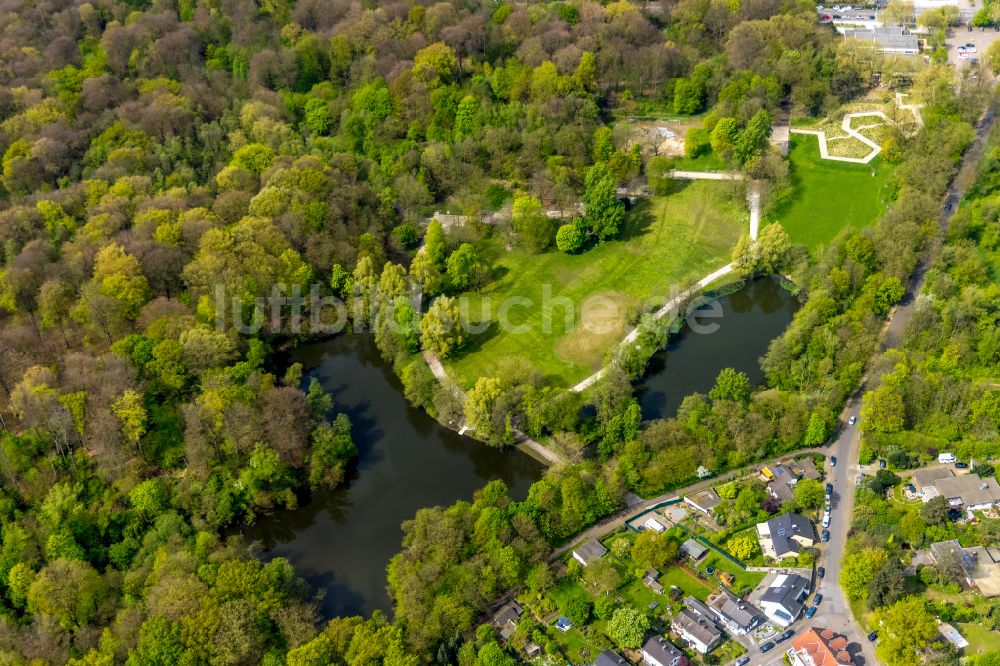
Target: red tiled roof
{"x":823,"y":647}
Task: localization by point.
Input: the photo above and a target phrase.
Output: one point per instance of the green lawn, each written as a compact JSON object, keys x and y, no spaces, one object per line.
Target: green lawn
{"x":688,"y":583}
{"x":670,"y":240}
{"x":745,"y":580}
{"x":980,"y":638}
{"x":826,"y":196}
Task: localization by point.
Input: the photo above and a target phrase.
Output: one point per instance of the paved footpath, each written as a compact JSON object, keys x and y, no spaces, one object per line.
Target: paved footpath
{"x":536,"y":450}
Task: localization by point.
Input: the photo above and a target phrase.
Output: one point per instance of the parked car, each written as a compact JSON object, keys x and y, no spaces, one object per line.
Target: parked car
{"x":765,"y":647}
{"x":826,"y":518}
{"x":881,"y":463}
{"x":829,"y":489}
{"x":785,"y":636}
{"x":961,"y":465}
{"x":811,"y":611}
{"x":817,"y":599}
{"x":833,"y":461}
{"x":873,"y":636}
{"x":824,"y":17}
{"x":742,"y":660}
{"x":820,"y":572}
{"x":825,"y":536}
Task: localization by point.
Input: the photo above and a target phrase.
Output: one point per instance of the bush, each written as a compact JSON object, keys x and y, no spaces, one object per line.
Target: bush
{"x":697,"y":142}
{"x":569,"y":238}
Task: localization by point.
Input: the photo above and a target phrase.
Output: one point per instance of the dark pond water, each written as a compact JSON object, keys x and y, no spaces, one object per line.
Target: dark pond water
{"x":744,"y":324}
{"x":341,"y":541}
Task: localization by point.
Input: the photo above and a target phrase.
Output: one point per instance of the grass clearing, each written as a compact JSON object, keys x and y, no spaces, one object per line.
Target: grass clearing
{"x":980,"y":638}
{"x":826,"y":196}
{"x":668,"y":241}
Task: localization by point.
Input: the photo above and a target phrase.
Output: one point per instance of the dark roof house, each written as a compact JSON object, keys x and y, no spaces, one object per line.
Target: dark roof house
{"x":694,"y":549}
{"x":740,"y":616}
{"x":699,"y":631}
{"x":609,"y":658}
{"x":782,"y":601}
{"x":658,"y":651}
{"x":589,"y":551}
{"x":785,"y":535}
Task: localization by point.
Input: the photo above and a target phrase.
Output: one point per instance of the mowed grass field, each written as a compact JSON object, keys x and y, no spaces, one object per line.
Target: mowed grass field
{"x":827,"y":196}
{"x":670,"y":240}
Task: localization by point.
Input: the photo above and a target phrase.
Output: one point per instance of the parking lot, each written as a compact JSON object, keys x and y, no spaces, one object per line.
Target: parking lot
{"x":960,"y":36}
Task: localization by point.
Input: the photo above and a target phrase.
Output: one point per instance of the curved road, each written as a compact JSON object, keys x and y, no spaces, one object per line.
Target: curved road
{"x":834,"y":612}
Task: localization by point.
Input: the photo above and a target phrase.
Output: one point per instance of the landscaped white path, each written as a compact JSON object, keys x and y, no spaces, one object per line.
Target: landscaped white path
{"x":846,"y":126}
{"x":667,"y":308}
{"x":855,"y":132}
{"x":670,"y":306}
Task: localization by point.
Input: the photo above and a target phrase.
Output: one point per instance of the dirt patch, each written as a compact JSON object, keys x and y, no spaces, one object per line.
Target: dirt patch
{"x":659,"y":137}
{"x":602,"y":322}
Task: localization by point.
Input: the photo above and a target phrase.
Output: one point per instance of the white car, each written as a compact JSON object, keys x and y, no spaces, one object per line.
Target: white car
{"x":970,"y":49}
{"x":826,"y":518}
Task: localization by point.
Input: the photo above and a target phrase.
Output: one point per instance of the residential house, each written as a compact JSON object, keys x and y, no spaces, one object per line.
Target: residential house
{"x":969,"y":492}
{"x":819,"y":647}
{"x":506,"y":619}
{"x":782,"y":601}
{"x":694,"y":549}
{"x":698,"y":630}
{"x":924,"y":479}
{"x":658,"y":651}
{"x":609,"y":658}
{"x":704,"y":500}
{"x":589,"y":551}
{"x":780,"y":481}
{"x":980,"y":565}
{"x":785,"y":535}
{"x":739,"y":616}
{"x":803,"y":469}
{"x":984,"y":570}
{"x":887,"y":39}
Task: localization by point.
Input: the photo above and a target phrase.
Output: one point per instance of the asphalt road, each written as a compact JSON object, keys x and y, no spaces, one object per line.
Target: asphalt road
{"x":834,"y":612}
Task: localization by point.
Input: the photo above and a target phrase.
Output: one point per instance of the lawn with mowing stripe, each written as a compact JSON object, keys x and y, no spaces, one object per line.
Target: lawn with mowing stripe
{"x":671,"y":240}
{"x":826,"y":196}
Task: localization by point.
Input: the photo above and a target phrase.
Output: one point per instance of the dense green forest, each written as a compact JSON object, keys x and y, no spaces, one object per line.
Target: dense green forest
{"x":154,"y":153}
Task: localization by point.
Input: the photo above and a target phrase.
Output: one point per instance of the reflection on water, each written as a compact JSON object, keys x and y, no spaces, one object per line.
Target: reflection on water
{"x":750,"y":319}
{"x":342,"y":540}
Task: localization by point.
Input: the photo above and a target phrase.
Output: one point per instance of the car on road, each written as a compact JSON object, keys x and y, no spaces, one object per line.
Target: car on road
{"x":873,"y":636}
{"x":829,"y":489}
{"x":820,"y":572}
{"x":742,"y":660}
{"x":833,"y":461}
{"x":817,"y":599}
{"x":765,"y":647}
{"x":811,"y":611}
{"x":947,"y":206}
{"x":824,"y":17}
{"x":825,"y":536}
{"x":961,"y":465}
{"x":785,"y":636}
{"x":852,"y":420}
